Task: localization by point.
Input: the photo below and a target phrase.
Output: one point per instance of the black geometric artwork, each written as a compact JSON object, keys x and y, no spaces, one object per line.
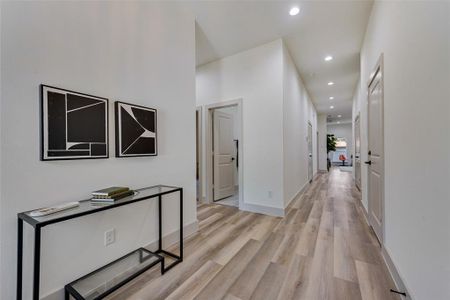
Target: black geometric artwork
{"x":73,"y":125}
{"x":135,"y":130}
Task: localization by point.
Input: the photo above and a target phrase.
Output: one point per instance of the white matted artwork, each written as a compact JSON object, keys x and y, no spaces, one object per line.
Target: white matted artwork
{"x":136,"y":130}
{"x":73,"y":125}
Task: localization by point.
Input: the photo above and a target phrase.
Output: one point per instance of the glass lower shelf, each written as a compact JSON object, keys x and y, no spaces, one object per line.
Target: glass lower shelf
{"x":105,"y":280}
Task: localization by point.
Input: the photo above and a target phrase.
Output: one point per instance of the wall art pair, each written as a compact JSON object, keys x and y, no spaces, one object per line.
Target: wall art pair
{"x":75,"y":126}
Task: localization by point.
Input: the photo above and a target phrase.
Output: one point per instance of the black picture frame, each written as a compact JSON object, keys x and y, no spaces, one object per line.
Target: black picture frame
{"x":85,"y":135}
{"x":134,"y":139}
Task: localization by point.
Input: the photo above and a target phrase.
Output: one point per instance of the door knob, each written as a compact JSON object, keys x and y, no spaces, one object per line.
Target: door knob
{"x":368,"y":162}
{"x":232,"y":158}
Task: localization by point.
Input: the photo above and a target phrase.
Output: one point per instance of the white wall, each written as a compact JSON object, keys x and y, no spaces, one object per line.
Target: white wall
{"x":138,"y":52}
{"x":343,"y":131}
{"x":322,"y":128}
{"x":298,"y":110}
{"x":415,"y":40}
{"x":255,"y":76}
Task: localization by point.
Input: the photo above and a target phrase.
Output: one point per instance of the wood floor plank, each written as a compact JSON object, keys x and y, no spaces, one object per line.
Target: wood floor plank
{"x":372,"y":282}
{"x":217,"y":288}
{"x":237,"y":239}
{"x":346,"y":290}
{"x":231,"y":297}
{"x":323,"y":249}
{"x":344,"y":264}
{"x":295,"y":284}
{"x":261,"y":233}
{"x":284,"y":253}
{"x":270,"y":284}
{"x":308,"y":238}
{"x":194,"y":284}
{"x":248,"y":280}
{"x":208,"y":221}
{"x":161,"y":287}
{"x":321,"y":283}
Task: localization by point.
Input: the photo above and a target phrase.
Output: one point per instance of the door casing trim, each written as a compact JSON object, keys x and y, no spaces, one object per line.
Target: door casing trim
{"x":357,"y":118}
{"x":199,"y":113}
{"x":208,"y":118}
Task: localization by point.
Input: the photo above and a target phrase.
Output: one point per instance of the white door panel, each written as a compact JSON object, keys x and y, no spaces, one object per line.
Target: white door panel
{"x":376,"y":155}
{"x":223,"y":155}
{"x":375,"y":132}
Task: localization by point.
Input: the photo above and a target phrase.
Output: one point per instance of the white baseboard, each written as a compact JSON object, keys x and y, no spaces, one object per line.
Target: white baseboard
{"x":399,"y":283}
{"x":270,"y":210}
{"x":365,"y":214}
{"x":263,"y":209}
{"x":300,"y":191}
{"x":168,"y":240}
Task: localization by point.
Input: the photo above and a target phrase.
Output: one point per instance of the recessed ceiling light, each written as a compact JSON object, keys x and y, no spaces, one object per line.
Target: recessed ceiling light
{"x":331,"y":98}
{"x":330,"y":83}
{"x":339,"y":116}
{"x":331,"y":107}
{"x":328,"y":58}
{"x":294,"y":11}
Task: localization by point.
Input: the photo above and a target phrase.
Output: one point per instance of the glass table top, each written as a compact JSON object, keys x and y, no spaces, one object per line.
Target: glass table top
{"x":87,"y":206}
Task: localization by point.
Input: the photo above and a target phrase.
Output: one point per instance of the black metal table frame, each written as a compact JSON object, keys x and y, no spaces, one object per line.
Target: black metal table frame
{"x":69,"y":290}
{"x":21,"y":217}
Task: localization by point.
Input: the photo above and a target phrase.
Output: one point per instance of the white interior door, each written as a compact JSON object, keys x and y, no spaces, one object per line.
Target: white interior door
{"x":358,"y":153}
{"x":223,"y":147}
{"x":310,"y":153}
{"x":375,"y":154}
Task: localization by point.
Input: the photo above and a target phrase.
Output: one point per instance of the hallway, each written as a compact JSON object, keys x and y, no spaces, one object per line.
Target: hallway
{"x":322,"y":249}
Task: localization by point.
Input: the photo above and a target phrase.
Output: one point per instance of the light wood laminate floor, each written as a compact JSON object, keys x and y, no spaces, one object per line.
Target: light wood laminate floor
{"x":321,"y":249}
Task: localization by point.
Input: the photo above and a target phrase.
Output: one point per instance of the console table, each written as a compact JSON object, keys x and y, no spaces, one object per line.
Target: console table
{"x":142,"y":258}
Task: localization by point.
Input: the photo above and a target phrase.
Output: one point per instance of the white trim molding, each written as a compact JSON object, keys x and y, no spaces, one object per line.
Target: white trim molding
{"x":395,"y":275}
{"x":301,"y":191}
{"x":263,"y":209}
{"x":199,"y":150}
{"x":208,"y":176}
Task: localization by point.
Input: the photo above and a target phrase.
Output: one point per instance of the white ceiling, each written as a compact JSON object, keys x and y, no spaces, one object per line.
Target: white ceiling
{"x":321,"y":28}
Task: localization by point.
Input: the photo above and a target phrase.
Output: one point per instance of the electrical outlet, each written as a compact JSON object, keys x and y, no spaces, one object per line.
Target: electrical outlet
{"x":269,"y":193}
{"x":110,"y":236}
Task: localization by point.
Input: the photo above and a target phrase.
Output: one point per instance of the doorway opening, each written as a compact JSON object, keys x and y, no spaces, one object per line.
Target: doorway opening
{"x":340,"y":157}
{"x":224,"y":161}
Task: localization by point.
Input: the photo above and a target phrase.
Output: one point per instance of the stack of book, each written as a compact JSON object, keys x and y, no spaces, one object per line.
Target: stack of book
{"x":111,"y":194}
